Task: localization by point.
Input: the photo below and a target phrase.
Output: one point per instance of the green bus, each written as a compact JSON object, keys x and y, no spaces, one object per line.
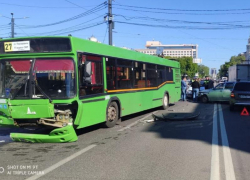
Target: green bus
{"x":67,"y":83}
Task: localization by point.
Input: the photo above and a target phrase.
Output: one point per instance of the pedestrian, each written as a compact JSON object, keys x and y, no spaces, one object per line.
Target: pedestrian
{"x":183,"y":88}
{"x":210,"y":83}
{"x":195,"y":88}
{"x":206,"y":82}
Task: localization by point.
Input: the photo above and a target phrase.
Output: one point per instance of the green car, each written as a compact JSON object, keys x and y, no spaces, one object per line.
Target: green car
{"x":221,"y":92}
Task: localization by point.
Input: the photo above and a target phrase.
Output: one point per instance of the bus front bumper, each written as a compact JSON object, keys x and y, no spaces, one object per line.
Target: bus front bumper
{"x":4,"y":121}
{"x":59,"y":135}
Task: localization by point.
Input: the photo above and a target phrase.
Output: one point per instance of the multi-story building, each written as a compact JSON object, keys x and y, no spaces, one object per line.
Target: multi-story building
{"x":213,"y":73}
{"x":177,"y":50}
{"x":247,"y":53}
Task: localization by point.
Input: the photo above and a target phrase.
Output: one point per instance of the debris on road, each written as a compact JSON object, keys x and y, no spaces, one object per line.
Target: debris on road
{"x":176,"y":116}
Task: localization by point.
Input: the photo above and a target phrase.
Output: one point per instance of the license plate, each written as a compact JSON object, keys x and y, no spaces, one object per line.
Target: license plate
{"x":244,"y":96}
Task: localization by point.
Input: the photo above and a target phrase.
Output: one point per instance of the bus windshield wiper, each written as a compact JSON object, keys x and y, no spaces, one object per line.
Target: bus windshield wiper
{"x":15,"y":94}
{"x":43,"y":93}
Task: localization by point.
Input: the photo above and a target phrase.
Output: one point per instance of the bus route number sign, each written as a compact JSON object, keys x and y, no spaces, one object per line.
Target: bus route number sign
{"x":17,"y":46}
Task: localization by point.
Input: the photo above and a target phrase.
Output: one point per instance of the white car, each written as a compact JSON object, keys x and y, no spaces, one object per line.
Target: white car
{"x":189,"y":92}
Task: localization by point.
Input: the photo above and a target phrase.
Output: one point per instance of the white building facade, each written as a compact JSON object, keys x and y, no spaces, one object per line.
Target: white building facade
{"x":178,"y":50}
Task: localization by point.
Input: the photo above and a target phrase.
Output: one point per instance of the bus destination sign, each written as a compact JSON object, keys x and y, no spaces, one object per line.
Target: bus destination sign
{"x":16,"y":46}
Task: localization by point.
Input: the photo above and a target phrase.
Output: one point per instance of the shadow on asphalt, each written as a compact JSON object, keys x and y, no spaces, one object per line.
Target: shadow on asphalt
{"x":200,"y":129}
{"x":101,"y":126}
{"x":5,"y":131}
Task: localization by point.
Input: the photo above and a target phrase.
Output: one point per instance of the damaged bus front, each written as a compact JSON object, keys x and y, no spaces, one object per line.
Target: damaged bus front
{"x":38,"y":92}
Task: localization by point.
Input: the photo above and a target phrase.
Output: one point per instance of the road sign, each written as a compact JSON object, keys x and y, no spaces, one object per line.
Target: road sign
{"x":244,"y":112}
{"x":197,"y":60}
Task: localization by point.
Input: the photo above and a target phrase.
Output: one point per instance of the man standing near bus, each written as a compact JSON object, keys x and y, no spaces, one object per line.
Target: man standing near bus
{"x":206,"y":82}
{"x":209,"y":84}
{"x":183,"y":88}
{"x":195,"y":88}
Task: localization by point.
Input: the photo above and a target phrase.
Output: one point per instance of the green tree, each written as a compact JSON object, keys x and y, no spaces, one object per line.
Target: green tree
{"x":223,"y":71}
{"x":203,"y":71}
{"x":187,"y":66}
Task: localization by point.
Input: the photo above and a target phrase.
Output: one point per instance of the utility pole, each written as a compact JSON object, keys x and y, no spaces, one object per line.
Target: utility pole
{"x":12,"y":25}
{"x":110,"y":21}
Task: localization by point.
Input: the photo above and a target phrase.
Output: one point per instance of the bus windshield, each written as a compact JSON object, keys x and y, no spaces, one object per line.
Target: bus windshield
{"x":15,"y":81}
{"x":37,"y":78}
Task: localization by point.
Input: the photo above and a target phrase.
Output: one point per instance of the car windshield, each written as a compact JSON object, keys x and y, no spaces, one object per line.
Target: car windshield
{"x":242,"y":86}
{"x":219,"y":86}
{"x":51,"y":78}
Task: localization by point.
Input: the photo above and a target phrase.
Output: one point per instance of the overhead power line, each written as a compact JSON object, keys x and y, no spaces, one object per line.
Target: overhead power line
{"x":21,"y":29}
{"x":229,"y":23}
{"x":198,"y":10}
{"x":181,"y":13}
{"x":74,"y":30}
{"x":71,"y":28}
{"x":186,"y":27}
{"x":89,"y":12}
{"x":55,"y":7}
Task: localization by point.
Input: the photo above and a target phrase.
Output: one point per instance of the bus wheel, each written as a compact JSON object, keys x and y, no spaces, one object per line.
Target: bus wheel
{"x":165,"y":102}
{"x":112,"y":115}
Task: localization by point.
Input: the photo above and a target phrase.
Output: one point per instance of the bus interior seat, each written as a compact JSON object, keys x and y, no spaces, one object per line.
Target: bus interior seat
{"x":142,"y":83}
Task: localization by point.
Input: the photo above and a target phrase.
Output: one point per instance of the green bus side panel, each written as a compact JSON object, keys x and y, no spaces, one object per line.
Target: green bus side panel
{"x":140,"y":101}
{"x":91,"y":112}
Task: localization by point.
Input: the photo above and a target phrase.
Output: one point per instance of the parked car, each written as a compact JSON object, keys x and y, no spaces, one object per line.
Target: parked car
{"x":189,"y":93}
{"x":240,"y":95}
{"x":221,"y":92}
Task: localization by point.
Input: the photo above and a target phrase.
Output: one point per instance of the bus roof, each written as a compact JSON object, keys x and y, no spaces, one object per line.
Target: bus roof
{"x":87,"y":46}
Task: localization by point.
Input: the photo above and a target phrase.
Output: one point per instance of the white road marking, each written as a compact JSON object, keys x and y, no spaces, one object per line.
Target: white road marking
{"x":215,"y":160}
{"x":5,"y":139}
{"x":134,"y":123}
{"x":228,"y":162}
{"x":62,"y":162}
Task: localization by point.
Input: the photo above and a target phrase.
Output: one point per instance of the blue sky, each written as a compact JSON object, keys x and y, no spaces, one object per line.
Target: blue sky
{"x":215,"y":46}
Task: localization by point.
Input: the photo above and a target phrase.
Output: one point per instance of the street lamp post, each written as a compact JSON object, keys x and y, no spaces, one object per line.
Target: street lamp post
{"x":12,"y":25}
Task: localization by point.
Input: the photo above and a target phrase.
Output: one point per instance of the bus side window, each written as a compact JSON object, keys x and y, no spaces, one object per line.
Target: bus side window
{"x":111,"y":73}
{"x":140,"y":75}
{"x":91,"y":76}
{"x":124,"y":71}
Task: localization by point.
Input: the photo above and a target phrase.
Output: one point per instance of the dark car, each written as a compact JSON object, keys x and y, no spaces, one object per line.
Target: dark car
{"x":240,"y":95}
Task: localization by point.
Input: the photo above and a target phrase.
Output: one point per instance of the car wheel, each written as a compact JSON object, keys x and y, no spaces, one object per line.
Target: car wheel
{"x":112,"y":115}
{"x":231,"y":107}
{"x":204,"y":99}
{"x":165,"y":102}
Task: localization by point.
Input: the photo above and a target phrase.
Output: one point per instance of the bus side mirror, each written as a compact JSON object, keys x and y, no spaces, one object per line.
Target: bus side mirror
{"x":87,"y":72}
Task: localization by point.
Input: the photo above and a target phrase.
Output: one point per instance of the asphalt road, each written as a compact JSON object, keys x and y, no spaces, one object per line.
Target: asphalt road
{"x":216,"y":145}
